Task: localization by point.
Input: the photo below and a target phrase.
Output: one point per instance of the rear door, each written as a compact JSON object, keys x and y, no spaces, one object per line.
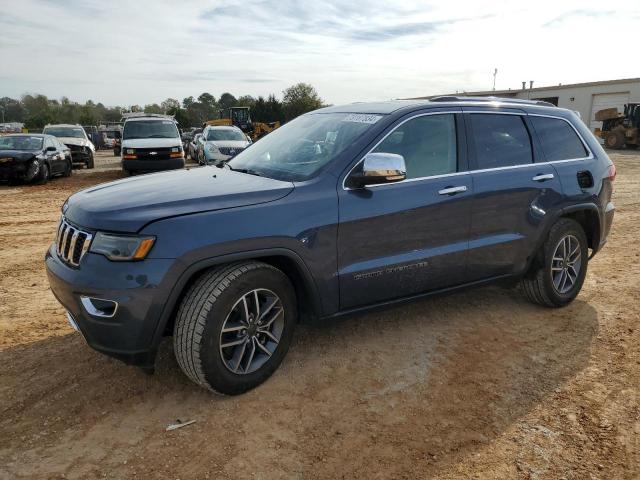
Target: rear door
{"x":512,"y":193}
{"x":401,"y":239}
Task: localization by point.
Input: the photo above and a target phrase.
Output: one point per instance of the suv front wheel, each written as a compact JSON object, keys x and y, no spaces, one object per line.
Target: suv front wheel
{"x":234,"y":326}
{"x":557,"y":278}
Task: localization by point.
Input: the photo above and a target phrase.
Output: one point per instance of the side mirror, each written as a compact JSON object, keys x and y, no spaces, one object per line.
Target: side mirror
{"x":51,"y":149}
{"x":379,"y":168}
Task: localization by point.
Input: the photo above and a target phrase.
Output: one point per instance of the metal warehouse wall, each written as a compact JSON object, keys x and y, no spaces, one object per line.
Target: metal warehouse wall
{"x":581,"y":97}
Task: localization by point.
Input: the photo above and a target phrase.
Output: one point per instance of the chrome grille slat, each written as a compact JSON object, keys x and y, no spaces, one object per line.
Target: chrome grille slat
{"x":72,"y":243}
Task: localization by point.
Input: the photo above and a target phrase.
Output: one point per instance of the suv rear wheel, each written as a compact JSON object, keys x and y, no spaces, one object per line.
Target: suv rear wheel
{"x":557,"y":280}
{"x":234,"y":326}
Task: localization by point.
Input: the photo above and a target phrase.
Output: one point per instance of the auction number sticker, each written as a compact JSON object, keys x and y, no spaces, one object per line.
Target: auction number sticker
{"x":361,"y":118}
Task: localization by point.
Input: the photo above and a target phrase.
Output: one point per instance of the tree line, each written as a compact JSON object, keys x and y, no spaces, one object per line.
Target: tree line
{"x":35,"y":111}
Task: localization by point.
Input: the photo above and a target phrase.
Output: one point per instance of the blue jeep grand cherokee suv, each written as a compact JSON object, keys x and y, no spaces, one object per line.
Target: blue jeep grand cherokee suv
{"x":341,"y":210}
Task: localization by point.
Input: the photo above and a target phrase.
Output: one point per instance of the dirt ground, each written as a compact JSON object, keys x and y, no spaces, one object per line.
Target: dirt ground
{"x":477,"y":385}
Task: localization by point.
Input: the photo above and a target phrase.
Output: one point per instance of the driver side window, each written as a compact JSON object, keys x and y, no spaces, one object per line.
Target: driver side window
{"x":427,"y":143}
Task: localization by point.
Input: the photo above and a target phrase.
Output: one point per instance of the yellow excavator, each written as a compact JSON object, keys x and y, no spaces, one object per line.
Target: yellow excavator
{"x":241,"y":117}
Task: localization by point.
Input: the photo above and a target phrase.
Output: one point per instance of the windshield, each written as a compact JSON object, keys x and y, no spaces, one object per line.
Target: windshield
{"x":75,"y":132}
{"x":220,"y":134}
{"x":300,"y":148}
{"x":150,"y":129}
{"x":22,"y":142}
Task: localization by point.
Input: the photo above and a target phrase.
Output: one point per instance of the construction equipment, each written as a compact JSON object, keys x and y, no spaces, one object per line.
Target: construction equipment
{"x":241,"y":117}
{"x":619,"y":129}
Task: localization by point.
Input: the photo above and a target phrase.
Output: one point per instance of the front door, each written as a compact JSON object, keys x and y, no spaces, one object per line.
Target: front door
{"x":401,"y":239}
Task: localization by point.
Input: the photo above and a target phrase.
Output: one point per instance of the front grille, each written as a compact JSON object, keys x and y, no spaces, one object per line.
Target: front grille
{"x":71,"y":243}
{"x":230,"y":150}
{"x":74,"y":148}
{"x":153,"y":153}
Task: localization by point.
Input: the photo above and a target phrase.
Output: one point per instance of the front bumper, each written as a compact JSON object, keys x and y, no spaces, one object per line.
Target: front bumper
{"x":131,"y":333}
{"x":22,"y":170}
{"x":153,"y":165}
{"x":79,"y":154}
{"x":214,"y":158}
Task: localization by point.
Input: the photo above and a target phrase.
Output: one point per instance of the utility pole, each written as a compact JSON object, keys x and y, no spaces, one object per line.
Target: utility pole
{"x":2,"y":108}
{"x":495,"y":72}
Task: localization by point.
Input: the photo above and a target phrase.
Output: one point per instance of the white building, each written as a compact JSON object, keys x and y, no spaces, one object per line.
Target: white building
{"x":586,"y":98}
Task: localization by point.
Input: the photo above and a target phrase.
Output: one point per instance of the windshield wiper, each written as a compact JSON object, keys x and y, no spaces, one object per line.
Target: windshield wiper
{"x":243,"y":170}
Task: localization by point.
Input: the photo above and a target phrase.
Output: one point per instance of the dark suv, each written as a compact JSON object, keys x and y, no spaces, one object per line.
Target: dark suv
{"x":341,"y":210}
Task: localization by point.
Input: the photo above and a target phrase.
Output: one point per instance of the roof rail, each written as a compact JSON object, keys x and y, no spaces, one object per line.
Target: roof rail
{"x":126,"y":115}
{"x":462,"y":98}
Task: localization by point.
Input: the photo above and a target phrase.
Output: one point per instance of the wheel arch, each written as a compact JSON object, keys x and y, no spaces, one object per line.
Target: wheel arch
{"x":586,"y":214}
{"x":283,"y":259}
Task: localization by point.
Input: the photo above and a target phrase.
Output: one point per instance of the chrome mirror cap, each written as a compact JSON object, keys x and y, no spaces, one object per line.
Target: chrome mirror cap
{"x":380,"y":168}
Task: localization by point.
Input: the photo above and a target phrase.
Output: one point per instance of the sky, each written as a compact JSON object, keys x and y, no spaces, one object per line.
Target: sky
{"x":144,"y":51}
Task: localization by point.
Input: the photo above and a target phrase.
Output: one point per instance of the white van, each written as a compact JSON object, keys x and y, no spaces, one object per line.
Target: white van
{"x":150,"y":143}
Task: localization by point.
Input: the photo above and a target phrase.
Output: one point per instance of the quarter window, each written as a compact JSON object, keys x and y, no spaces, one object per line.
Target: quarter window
{"x":427,"y":143}
{"x":500,"y":140}
{"x":559,"y":140}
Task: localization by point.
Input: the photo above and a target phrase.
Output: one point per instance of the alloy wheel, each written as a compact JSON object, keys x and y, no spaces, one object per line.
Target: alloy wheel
{"x":566,"y":264}
{"x":251,"y":332}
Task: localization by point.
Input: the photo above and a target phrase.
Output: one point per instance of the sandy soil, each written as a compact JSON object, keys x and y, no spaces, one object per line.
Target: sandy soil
{"x":477,"y":385}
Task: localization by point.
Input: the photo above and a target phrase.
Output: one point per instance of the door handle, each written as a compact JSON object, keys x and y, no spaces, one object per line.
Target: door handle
{"x":542,"y":178}
{"x":452,"y":190}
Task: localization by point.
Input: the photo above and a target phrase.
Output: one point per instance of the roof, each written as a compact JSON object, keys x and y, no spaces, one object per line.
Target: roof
{"x":541,"y":89}
{"x":223,"y":127}
{"x":27,"y":135}
{"x":63,"y":125}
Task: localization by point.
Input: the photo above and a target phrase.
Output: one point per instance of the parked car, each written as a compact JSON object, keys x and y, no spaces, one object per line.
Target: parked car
{"x":193,"y":146}
{"x":33,"y":158}
{"x":186,"y":139}
{"x":220,"y":144}
{"x":151,"y":143}
{"x":339,"y":211}
{"x":74,"y":137}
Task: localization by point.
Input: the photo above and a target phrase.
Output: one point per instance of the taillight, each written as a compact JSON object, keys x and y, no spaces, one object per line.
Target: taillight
{"x":611,"y":172}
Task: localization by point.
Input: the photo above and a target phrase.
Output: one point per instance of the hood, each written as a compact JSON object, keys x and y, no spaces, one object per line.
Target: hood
{"x":128,"y":205}
{"x":17,"y":155}
{"x":151,"y":142}
{"x":80,"y":142}
{"x":228,"y":143}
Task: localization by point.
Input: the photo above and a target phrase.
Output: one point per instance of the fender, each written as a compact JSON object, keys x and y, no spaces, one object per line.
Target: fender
{"x":555,"y":215}
{"x":205,"y":263}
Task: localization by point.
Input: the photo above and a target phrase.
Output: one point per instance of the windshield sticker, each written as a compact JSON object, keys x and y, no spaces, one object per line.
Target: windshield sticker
{"x":362,"y":118}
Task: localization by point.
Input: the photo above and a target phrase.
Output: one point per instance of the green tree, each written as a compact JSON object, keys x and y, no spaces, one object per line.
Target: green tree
{"x":227,"y":100}
{"x":300,"y":98}
{"x":153,"y":108}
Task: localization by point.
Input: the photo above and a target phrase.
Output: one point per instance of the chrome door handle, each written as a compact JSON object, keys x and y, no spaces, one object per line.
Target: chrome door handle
{"x":452,"y":190}
{"x":542,"y":178}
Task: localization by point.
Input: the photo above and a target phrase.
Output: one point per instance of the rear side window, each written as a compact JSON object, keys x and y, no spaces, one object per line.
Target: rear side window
{"x":500,"y":140}
{"x":559,"y":140}
{"x":427,"y":143}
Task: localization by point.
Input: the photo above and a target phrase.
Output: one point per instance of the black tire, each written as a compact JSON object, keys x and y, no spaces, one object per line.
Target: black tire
{"x":203,"y":312}
{"x":68,"y":169}
{"x":614,"y":139}
{"x":127,"y":173}
{"x":44,"y":174}
{"x":90,"y":163}
{"x":538,"y":285}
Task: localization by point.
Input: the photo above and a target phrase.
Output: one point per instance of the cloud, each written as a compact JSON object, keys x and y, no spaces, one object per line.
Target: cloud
{"x":135,"y":52}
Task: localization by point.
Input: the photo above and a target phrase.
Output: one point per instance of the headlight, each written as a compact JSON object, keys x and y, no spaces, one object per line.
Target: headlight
{"x":175,"y":150}
{"x":121,"y":248}
{"x":130,"y":151}
{"x":212,"y":148}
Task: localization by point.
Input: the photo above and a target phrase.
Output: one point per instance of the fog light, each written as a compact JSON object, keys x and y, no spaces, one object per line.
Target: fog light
{"x":99,"y":307}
